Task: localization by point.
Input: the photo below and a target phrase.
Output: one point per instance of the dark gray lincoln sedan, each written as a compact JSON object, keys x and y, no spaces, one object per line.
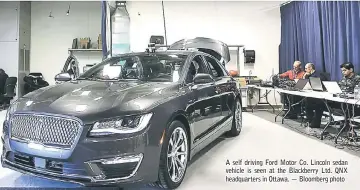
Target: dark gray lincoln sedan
{"x":136,"y":117}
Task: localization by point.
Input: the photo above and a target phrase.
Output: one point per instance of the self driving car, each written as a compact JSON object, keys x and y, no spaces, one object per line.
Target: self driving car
{"x":133,"y":118}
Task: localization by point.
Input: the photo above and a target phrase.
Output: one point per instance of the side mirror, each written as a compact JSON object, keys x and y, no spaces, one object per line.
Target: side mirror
{"x":233,"y":73}
{"x":63,"y":77}
{"x":203,"y":78}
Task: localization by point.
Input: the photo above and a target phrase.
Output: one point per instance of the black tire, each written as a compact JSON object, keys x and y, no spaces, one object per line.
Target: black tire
{"x":164,"y":180}
{"x":235,"y":130}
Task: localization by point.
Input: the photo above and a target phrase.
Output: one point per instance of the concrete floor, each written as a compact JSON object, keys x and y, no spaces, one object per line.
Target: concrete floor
{"x":260,"y":140}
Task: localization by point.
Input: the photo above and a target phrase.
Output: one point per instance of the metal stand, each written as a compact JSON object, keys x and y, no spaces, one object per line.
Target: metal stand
{"x":290,"y":107}
{"x":344,"y":126}
{"x":331,"y":119}
{"x":263,"y":103}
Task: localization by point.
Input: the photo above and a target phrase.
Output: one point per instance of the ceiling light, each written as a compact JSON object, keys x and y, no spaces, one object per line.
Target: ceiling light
{"x":68,"y":11}
{"x":50,"y":15}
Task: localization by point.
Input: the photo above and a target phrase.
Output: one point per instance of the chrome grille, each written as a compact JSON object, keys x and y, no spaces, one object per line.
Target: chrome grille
{"x":45,"y":129}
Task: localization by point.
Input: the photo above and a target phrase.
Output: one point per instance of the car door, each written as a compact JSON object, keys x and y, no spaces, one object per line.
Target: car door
{"x":206,"y":103}
{"x":223,"y":85}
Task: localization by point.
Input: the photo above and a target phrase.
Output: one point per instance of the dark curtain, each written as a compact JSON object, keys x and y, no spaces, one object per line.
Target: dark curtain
{"x":324,"y":33}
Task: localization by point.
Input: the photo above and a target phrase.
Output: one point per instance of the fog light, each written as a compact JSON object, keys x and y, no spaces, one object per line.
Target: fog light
{"x":99,"y":177}
{"x":120,"y":160}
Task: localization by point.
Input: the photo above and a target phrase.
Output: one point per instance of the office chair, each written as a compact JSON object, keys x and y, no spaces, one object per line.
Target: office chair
{"x":10,"y":93}
{"x":33,"y":82}
{"x":36,"y":75}
{"x":325,"y":76}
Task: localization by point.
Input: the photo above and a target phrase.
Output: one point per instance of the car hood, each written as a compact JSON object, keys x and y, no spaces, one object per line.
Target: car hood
{"x":94,"y":97}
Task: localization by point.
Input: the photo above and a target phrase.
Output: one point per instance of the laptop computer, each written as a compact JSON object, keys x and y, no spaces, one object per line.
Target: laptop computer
{"x":302,"y":84}
{"x":316,"y":84}
{"x":332,"y":87}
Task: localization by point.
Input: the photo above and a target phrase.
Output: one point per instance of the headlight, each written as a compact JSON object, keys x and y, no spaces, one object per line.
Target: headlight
{"x":12,"y":108}
{"x":129,"y":124}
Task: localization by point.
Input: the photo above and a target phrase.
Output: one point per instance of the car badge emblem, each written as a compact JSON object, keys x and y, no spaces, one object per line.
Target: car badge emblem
{"x":38,"y":129}
{"x":38,"y":132}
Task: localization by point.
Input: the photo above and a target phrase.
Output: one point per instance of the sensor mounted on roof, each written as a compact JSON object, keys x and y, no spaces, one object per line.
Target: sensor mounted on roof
{"x":151,"y":48}
{"x":157,"y":40}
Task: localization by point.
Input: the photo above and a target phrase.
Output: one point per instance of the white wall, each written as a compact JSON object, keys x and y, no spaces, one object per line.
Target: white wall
{"x":253,"y":24}
{"x":52,"y":37}
{"x":9,"y":37}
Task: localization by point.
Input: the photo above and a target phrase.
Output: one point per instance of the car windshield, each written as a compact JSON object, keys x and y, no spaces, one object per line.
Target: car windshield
{"x":147,"y":67}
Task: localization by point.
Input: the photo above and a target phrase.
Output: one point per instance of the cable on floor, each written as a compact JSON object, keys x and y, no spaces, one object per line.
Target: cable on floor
{"x":343,"y":142}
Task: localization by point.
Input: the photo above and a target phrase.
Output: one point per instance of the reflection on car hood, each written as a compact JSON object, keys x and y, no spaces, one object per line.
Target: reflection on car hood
{"x":90,"y":97}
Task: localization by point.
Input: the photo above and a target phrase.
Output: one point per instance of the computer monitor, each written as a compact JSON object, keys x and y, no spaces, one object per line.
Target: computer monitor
{"x":316,"y":84}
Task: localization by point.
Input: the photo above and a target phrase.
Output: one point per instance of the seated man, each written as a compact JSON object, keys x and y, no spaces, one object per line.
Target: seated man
{"x":314,"y":108}
{"x":310,"y":71}
{"x":347,"y":85}
{"x":296,"y":73}
{"x":350,"y":79}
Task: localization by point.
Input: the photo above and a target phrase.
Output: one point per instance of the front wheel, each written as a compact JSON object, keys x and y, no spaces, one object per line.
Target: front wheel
{"x":237,"y":120}
{"x":174,"y":156}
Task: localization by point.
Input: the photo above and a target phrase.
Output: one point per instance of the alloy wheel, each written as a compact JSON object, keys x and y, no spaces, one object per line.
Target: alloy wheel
{"x":177,"y":155}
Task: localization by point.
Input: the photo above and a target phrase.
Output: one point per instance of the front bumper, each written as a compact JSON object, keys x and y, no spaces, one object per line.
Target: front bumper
{"x":86,"y":180}
{"x":93,"y":162}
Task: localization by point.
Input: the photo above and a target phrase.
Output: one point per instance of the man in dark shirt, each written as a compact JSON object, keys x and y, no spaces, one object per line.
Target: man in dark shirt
{"x":314,"y":108}
{"x":310,"y":71}
{"x":347,"y":85}
{"x":350,"y":79}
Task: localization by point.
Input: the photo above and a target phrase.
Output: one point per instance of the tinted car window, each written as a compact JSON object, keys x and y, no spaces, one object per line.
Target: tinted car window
{"x":196,"y":66}
{"x":215,"y":69}
{"x":155,"y":67}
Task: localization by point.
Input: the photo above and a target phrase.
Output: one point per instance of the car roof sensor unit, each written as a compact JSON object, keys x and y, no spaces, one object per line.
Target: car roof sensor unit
{"x":151,"y":48}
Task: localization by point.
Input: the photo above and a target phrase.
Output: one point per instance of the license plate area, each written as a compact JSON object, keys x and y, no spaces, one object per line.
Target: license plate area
{"x":40,"y":163}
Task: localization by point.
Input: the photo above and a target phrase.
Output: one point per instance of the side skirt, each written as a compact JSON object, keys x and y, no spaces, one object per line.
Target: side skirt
{"x":211,"y":136}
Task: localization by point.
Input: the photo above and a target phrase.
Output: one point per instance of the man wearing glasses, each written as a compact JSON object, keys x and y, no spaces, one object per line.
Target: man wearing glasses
{"x":296,"y":73}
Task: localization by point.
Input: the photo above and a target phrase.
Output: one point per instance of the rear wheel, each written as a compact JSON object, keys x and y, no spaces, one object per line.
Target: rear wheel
{"x":174,"y":156}
{"x":237,"y":120}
